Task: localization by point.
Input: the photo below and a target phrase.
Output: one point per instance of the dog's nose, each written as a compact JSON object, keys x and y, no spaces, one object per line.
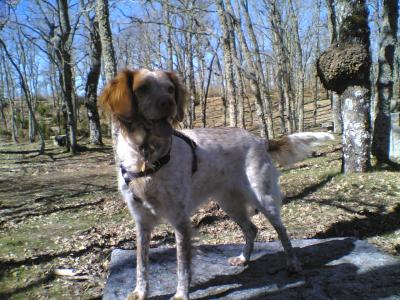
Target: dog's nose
{"x":165,"y":103}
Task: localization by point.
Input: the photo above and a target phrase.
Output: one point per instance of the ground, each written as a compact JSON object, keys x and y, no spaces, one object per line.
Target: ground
{"x":59,"y":211}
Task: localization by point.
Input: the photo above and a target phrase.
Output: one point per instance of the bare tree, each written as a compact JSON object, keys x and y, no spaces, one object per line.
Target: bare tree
{"x":333,"y":30}
{"x":299,"y":69}
{"x":228,"y":63}
{"x":27,"y":93}
{"x":9,"y":89}
{"x":108,"y":54}
{"x":93,"y":76}
{"x":282,"y":63}
{"x":167,"y":20}
{"x":388,"y":32}
{"x":263,"y":83}
{"x":62,"y":44}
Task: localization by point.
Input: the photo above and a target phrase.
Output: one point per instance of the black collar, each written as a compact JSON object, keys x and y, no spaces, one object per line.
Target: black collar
{"x":158,"y":164}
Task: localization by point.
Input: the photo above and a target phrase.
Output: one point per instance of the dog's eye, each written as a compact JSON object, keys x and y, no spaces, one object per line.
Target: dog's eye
{"x":171,"y":89}
{"x":143,"y":88}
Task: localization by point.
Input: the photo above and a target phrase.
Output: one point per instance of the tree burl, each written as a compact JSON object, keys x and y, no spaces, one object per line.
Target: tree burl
{"x":342,"y":66}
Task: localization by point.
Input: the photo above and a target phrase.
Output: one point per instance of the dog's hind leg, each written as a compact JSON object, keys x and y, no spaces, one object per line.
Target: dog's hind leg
{"x":273,"y":216}
{"x":267,"y":197}
{"x":235,"y":207}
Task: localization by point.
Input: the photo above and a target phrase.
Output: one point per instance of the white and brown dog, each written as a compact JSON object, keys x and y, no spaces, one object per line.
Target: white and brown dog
{"x":165,"y":175}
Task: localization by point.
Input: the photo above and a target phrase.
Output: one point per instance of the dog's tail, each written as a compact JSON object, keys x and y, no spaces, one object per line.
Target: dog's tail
{"x":297,"y":146}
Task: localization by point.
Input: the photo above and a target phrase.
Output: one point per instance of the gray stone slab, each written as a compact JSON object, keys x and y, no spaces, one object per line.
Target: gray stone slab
{"x":340,"y":268}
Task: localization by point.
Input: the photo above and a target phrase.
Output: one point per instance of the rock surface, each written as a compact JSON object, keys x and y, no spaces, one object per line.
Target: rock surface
{"x":341,"y":268}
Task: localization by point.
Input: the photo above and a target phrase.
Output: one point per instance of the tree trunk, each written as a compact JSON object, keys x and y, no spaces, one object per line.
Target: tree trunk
{"x":63,"y":54}
{"x":222,"y":90}
{"x":332,"y":21}
{"x":108,"y":55}
{"x":282,"y":63}
{"x":356,"y":127}
{"x":236,"y":54}
{"x":228,"y":64}
{"x":316,"y":79}
{"x":11,"y":96}
{"x":204,"y":104}
{"x":337,"y":114}
{"x":299,"y":67}
{"x":167,"y":21}
{"x":315,"y":99}
{"x":395,"y":106}
{"x":333,"y":32}
{"x":345,"y":68}
{"x":92,"y":80}
{"x":31,"y":126}
{"x":254,"y":82}
{"x":107,"y":50}
{"x":382,"y":128}
{"x":2,"y":99}
{"x":263,"y":85}
{"x":281,"y":101}
{"x":14,"y":132}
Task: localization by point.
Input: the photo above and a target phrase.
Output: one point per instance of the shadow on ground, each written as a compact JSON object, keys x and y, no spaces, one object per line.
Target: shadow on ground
{"x":373,"y":224}
{"x":336,"y":268}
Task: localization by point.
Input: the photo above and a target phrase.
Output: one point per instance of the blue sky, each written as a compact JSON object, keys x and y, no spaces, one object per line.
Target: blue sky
{"x":119,"y":8}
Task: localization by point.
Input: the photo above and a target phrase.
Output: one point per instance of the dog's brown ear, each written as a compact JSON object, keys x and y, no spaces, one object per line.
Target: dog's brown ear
{"x":117,"y":97}
{"x":180,"y":96}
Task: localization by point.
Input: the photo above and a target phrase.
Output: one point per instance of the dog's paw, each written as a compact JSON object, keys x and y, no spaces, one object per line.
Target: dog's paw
{"x":237,"y":260}
{"x":136,"y":295}
{"x":179,"y":297}
{"x":294,"y":265}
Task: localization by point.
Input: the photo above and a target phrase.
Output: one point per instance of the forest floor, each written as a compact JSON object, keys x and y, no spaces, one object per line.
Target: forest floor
{"x":59,"y":211}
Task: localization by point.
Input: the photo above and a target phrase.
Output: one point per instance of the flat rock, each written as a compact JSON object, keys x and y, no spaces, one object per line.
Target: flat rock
{"x":340,"y":268}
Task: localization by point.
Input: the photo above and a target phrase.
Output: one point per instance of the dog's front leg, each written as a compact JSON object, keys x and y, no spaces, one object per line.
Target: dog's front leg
{"x":142,"y":261}
{"x":183,"y":255}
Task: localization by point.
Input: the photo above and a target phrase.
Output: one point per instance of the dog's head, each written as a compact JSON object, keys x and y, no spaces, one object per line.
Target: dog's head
{"x":153,"y":99}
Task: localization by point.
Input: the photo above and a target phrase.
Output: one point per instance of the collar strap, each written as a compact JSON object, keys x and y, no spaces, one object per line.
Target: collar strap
{"x":158,"y":164}
{"x":192,"y":145}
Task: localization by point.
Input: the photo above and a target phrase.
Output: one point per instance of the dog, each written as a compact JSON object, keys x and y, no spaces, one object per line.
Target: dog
{"x":165,"y":174}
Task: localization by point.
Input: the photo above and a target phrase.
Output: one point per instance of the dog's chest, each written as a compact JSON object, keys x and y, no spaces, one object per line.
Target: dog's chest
{"x":155,"y":194}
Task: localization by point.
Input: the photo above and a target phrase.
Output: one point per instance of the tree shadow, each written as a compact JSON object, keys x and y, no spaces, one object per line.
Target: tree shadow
{"x":99,"y":148}
{"x":19,"y":151}
{"x":310,"y":189}
{"x":47,"y":257}
{"x":43,"y":280}
{"x":331,"y":202}
{"x":327,"y":273}
{"x":22,"y":217}
{"x":373,"y":224}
